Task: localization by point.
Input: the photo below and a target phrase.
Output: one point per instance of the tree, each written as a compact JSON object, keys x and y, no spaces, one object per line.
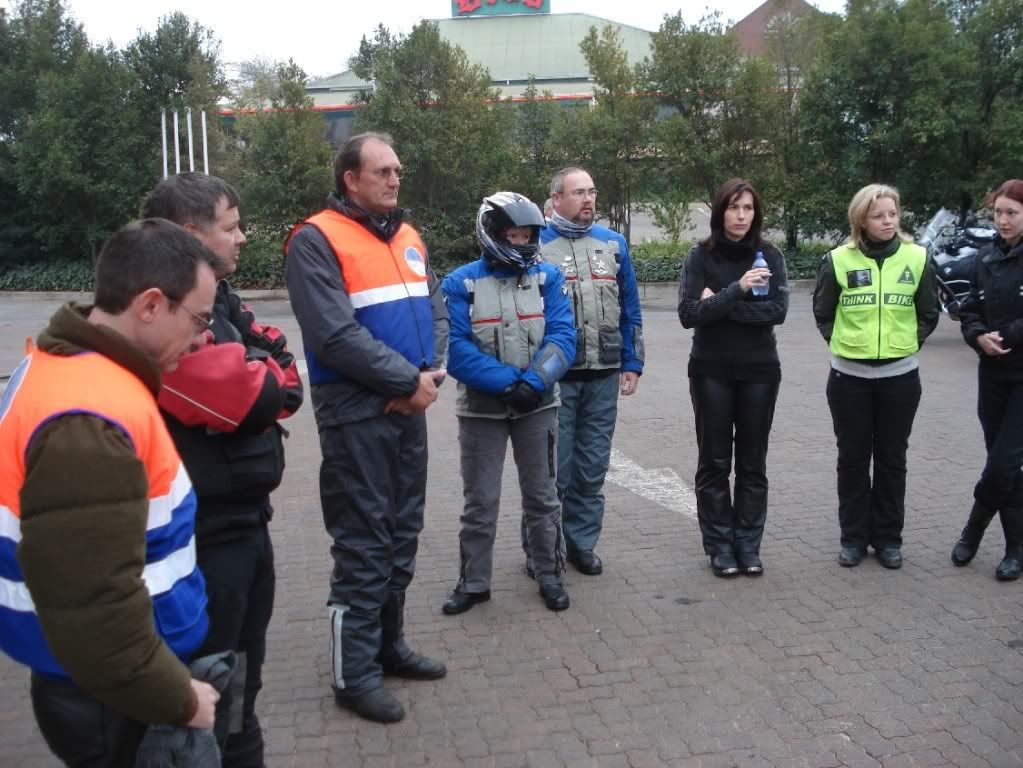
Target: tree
{"x":992,"y":135}
{"x":794,"y":45}
{"x":886,"y":104}
{"x":39,"y":37}
{"x":452,"y":135}
{"x":74,"y":157}
{"x":610,"y":139}
{"x":282,"y":167}
{"x":176,"y":67}
{"x":535,"y":119}
{"x":256,"y":84}
{"x":722,"y":108}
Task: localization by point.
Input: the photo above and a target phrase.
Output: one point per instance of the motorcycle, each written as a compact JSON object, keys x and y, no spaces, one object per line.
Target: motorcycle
{"x":952,"y":245}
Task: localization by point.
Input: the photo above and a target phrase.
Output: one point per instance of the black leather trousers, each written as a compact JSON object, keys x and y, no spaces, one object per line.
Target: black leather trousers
{"x":732,"y":414}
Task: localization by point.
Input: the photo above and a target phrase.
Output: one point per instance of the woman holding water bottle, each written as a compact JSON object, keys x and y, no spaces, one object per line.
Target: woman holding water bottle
{"x":875,"y":303}
{"x":733,"y":291}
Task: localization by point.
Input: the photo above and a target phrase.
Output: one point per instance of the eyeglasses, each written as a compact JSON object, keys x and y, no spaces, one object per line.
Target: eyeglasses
{"x":201,"y":322}
{"x":581,"y":193}
{"x":385,"y":173}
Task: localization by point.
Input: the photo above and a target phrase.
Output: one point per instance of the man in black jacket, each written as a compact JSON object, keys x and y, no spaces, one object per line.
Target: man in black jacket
{"x":222,"y":406}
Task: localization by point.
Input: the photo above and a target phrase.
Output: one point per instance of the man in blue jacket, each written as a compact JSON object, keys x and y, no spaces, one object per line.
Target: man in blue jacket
{"x":607,"y":360}
{"x":511,"y":340}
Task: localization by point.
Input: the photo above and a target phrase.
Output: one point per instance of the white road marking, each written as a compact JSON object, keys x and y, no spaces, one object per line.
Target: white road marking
{"x":662,"y":486}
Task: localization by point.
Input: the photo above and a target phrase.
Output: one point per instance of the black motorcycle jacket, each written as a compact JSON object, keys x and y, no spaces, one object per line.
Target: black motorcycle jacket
{"x":222,"y":406}
{"x":995,"y":303}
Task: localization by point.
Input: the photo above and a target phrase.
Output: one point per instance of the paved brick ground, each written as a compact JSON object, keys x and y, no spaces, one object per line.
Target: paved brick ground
{"x":657,"y":662}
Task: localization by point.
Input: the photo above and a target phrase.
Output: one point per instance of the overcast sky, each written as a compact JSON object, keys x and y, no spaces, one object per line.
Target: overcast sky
{"x":321,"y":36}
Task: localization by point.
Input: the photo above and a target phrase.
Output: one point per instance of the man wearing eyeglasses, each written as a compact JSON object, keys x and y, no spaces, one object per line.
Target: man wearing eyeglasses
{"x":222,"y":406}
{"x":608,"y":358}
{"x":375,"y":333}
{"x":101,"y":597}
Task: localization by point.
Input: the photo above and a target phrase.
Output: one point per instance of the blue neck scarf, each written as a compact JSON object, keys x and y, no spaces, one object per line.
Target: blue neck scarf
{"x":567,"y":228}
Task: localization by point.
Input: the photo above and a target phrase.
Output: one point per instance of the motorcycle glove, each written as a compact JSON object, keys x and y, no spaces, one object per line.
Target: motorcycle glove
{"x":523,"y":397}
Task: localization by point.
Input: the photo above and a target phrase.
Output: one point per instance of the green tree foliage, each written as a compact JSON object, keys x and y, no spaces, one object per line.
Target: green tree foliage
{"x":175,"y":67}
{"x":794,"y":46}
{"x":178,"y":65}
{"x":535,"y":118}
{"x":79,"y":135}
{"x":722,"y":107}
{"x":991,"y":136}
{"x":610,"y":139}
{"x":74,"y":155}
{"x":450,"y":131}
{"x":919,"y":94}
{"x":37,"y":38}
{"x":282,"y":164}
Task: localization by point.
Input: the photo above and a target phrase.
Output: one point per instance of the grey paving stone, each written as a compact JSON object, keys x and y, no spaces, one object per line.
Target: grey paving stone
{"x":657,"y":662}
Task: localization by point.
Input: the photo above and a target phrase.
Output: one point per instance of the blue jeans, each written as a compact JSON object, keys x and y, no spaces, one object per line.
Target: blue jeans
{"x":586,"y":424}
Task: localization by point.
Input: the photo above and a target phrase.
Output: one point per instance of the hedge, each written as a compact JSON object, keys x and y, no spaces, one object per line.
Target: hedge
{"x":51,"y":275}
{"x":660,"y":262}
{"x":262,"y":267}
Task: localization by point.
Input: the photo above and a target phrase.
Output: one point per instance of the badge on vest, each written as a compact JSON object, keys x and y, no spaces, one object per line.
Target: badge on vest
{"x":858,"y":278}
{"x":415,"y":260}
{"x":898,"y":299}
{"x":906,"y":277}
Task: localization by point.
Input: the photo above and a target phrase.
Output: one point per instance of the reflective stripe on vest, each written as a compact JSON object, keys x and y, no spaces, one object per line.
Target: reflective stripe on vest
{"x":876,"y":314}
{"x":507,"y":317}
{"x":590,"y":267}
{"x":40,"y":392}
{"x":388,"y":287}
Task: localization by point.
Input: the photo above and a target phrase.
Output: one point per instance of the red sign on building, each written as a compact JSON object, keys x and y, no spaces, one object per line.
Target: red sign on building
{"x":498,"y":7}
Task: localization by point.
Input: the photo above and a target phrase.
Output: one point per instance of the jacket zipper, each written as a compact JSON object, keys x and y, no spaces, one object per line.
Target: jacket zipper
{"x":880,"y":305}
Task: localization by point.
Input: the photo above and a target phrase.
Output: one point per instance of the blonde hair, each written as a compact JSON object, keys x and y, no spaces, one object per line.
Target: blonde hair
{"x":859,"y":207}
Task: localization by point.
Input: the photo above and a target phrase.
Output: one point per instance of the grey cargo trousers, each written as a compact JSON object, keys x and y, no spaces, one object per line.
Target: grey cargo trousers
{"x":483,"y":442}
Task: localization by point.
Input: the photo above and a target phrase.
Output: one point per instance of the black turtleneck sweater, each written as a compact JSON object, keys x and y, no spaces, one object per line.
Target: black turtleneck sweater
{"x":733,"y":330}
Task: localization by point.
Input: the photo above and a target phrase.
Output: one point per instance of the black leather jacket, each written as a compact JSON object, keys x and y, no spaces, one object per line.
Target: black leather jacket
{"x":995,"y":303}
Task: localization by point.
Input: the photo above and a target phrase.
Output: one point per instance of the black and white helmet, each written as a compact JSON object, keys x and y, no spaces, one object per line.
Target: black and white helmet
{"x":500,"y":211}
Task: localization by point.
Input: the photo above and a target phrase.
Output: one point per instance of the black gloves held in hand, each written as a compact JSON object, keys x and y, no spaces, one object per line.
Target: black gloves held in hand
{"x":523,"y":398}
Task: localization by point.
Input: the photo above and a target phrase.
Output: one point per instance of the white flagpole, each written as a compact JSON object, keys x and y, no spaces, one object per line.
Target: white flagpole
{"x":191,"y":152}
{"x":205,"y":151}
{"x":177,"y":145}
{"x":163,"y":138}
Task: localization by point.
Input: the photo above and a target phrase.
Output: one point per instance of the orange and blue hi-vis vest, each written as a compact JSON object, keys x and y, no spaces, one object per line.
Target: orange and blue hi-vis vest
{"x":387,"y":284}
{"x":41,"y":390}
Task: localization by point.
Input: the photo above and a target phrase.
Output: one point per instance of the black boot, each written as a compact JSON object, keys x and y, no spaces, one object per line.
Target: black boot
{"x":376,"y":704}
{"x":392,"y":627}
{"x":969,"y":540}
{"x":1011,"y":565}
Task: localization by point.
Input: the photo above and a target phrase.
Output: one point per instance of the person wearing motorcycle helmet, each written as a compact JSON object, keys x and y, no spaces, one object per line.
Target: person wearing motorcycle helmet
{"x":512,"y":338}
{"x":992,"y":323}
{"x":875,"y":302}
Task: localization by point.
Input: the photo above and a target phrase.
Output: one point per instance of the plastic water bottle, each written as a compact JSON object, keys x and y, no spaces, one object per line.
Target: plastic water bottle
{"x":760,"y":263}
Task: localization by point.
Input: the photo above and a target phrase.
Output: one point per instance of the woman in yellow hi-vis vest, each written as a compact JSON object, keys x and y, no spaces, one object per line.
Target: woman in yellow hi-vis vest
{"x":874,"y":303}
